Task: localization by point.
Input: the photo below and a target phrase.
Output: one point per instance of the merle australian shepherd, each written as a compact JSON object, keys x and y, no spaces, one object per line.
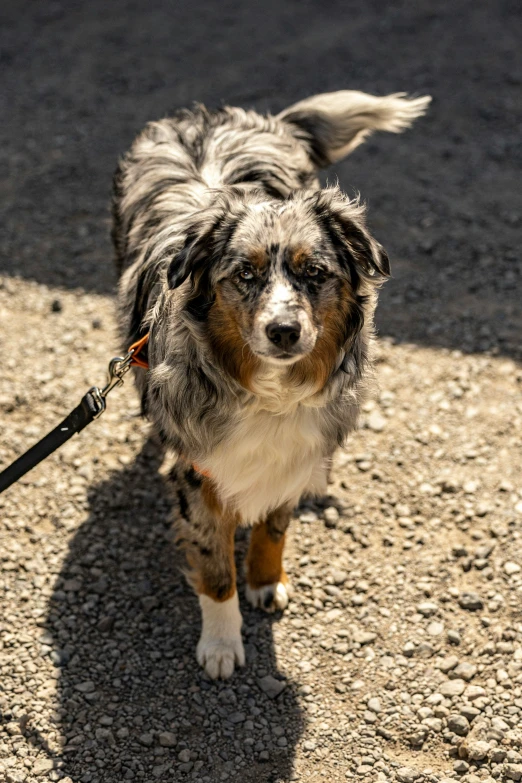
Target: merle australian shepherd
{"x":257,"y":289}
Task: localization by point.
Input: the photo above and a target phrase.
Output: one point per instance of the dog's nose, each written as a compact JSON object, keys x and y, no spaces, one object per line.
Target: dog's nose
{"x":283,"y":335}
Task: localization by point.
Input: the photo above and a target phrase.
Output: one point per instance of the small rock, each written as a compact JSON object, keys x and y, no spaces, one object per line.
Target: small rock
{"x":427,"y":608}
{"x":477,"y":751}
{"x":513,"y":771}
{"x":146,"y":739}
{"x":271,"y":686}
{"x":466,"y":671}
{"x":470,"y":601}
{"x":461,"y":766}
{"x":364,"y":637}
{"x":448,"y":663}
{"x":375,"y":421}
{"x":56,"y":306}
{"x":452,"y":687}
{"x":339,"y":576}
{"x":454,"y":637}
{"x":331,"y":516}
{"x":374,"y":704}
{"x":167,"y":739}
{"x":458,"y":724}
{"x":407,"y":774}
{"x":511,"y":568}
{"x":85,"y":687}
{"x":435,"y":724}
{"x":308,"y":517}
{"x":435,"y":628}
{"x":184,"y":755}
{"x":474,"y":692}
{"x":469,"y":712}
{"x":42,"y":766}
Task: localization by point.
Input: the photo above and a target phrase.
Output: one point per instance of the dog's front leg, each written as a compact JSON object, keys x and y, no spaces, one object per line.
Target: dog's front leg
{"x":267,"y":583}
{"x":208,"y":537}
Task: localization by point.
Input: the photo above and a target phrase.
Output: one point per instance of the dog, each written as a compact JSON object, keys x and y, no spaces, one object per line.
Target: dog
{"x":257,"y":291}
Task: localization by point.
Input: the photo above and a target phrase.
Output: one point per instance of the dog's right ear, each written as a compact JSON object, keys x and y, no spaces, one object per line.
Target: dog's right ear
{"x":333,"y":124}
{"x":189,"y":258}
{"x":205,"y":241}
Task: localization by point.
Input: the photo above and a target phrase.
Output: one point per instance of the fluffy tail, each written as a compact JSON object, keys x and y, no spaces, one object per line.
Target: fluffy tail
{"x":333,"y":124}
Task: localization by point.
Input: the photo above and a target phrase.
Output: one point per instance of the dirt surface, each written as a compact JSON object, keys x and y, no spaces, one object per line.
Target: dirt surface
{"x":400,"y":656}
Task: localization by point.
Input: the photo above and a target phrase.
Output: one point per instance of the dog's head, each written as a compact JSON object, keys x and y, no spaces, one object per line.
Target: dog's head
{"x":280,"y":282}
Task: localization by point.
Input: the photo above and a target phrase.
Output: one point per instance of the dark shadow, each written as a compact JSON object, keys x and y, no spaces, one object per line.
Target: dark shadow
{"x":80,"y":79}
{"x":124,"y":626}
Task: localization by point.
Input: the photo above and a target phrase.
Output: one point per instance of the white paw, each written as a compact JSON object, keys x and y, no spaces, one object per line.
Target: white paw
{"x":219,"y":656}
{"x":270,"y":597}
{"x":220,"y":646}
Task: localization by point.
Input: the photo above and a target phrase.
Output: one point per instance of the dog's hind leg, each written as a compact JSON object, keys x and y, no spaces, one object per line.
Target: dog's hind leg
{"x":206,"y":533}
{"x":267,"y":583}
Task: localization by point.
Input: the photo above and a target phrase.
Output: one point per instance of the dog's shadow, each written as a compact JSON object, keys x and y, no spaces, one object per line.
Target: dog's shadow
{"x":134,"y":704}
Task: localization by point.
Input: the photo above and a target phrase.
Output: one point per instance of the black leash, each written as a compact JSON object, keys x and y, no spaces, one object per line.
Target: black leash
{"x":91,"y":407}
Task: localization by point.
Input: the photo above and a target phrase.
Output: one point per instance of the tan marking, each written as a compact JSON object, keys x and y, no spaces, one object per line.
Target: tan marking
{"x":318,"y":365}
{"x":300,"y":255}
{"x":214,"y":574}
{"x":228,"y":345}
{"x":264,"y":560}
{"x":258,"y":257}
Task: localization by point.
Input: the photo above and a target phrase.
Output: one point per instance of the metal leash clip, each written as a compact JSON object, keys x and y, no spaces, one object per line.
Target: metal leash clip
{"x":118,"y":367}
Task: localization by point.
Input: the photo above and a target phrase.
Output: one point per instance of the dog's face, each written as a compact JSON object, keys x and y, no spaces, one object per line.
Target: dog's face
{"x":280,"y":282}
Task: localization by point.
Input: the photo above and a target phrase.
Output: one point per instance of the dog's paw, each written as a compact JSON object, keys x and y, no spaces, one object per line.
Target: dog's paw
{"x":269,"y":597}
{"x":219,"y":656}
{"x":220,"y":646}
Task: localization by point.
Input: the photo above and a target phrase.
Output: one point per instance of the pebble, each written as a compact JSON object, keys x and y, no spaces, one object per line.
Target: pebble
{"x":511,"y":568}
{"x":465,"y":671}
{"x":474,"y":692}
{"x":339,"y":576}
{"x":376,"y":421}
{"x":271,"y":686}
{"x":331,"y":516}
{"x":427,"y":608}
{"x":458,"y":724}
{"x":454,"y":637}
{"x":470,"y":601}
{"x":167,"y":739}
{"x":364,"y":637}
{"x":452,"y":687}
{"x":448,"y":663}
{"x":42,"y":766}
{"x":407,"y":774}
{"x":478,"y":750}
{"x":513,"y":771}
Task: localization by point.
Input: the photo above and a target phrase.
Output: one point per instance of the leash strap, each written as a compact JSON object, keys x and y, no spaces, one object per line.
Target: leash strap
{"x":91,"y":406}
{"x":77,"y":419}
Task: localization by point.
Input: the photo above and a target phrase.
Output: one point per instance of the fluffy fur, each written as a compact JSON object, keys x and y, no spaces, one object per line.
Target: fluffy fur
{"x":258,"y":290}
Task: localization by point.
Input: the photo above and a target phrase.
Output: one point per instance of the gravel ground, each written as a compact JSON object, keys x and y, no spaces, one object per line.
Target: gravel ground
{"x":400,"y":655}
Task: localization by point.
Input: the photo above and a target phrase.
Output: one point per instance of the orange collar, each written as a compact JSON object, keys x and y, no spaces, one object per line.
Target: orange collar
{"x":136,"y":349}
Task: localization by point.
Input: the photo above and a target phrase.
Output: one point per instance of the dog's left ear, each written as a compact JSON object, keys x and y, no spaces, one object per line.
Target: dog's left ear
{"x":344,"y":222}
{"x":333,"y":124}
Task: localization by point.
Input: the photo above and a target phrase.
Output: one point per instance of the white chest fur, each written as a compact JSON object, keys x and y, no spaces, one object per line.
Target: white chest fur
{"x":269,"y":459}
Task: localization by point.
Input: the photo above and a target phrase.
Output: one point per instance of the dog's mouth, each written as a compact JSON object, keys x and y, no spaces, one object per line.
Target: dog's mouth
{"x":280,"y":358}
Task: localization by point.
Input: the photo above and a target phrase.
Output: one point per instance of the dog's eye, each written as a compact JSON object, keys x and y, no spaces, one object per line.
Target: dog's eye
{"x":246,"y":274}
{"x":312,"y":270}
